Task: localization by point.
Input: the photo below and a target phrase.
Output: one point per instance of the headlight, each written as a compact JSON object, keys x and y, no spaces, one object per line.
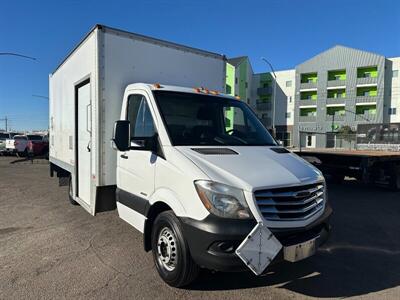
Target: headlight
{"x":223,"y":200}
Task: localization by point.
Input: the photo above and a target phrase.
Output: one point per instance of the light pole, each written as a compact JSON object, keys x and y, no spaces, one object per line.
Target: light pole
{"x":273,"y":96}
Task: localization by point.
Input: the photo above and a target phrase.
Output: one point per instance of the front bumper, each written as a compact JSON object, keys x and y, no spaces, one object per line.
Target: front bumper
{"x":213,"y":241}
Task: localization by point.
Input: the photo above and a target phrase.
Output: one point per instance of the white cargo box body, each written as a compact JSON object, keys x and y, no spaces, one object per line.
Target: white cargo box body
{"x":98,"y":70}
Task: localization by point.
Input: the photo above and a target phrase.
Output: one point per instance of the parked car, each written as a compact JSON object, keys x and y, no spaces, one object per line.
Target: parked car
{"x":9,"y":142}
{"x":3,"y":137}
{"x":37,"y":144}
{"x":20,"y":145}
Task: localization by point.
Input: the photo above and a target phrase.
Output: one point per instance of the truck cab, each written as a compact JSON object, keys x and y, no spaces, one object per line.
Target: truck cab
{"x":207,"y":185}
{"x":192,"y":169}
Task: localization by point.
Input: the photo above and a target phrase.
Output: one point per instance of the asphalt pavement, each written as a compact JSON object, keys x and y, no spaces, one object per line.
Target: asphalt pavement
{"x":50,"y":249}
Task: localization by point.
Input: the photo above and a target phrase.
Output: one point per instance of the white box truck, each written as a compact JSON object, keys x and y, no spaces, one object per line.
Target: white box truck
{"x":140,"y":125}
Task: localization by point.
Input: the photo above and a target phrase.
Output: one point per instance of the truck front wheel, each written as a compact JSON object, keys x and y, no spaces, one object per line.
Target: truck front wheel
{"x":171,"y":252}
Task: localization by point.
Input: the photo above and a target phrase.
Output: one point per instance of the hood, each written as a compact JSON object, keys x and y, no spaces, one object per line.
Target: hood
{"x":252,"y":167}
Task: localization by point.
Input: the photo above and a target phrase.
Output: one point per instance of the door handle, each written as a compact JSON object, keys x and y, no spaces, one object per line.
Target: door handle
{"x":124,"y":156}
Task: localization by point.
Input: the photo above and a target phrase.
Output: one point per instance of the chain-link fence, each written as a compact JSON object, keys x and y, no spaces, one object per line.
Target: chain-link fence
{"x":379,"y":137}
{"x":341,"y":141}
{"x":385,"y":137}
{"x":329,"y":140}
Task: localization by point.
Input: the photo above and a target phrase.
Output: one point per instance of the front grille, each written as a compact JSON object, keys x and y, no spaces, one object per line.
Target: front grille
{"x":290,"y":203}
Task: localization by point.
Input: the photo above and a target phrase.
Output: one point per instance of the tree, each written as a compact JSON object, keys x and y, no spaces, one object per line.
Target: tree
{"x":347,"y":132}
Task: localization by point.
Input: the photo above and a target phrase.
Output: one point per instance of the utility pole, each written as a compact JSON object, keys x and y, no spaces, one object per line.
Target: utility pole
{"x":5,"y":119}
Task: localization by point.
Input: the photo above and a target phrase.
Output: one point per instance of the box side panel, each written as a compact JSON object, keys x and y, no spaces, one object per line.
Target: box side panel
{"x":80,"y":66}
{"x":128,"y":60}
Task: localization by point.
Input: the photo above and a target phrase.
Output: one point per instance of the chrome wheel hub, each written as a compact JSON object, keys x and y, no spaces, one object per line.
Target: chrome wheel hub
{"x":166,"y":249}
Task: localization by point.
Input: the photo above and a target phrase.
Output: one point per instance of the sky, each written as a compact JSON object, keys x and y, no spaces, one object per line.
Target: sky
{"x":286,"y":32}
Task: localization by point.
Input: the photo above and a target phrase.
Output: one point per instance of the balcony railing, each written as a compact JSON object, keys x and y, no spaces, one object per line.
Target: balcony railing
{"x":308,"y":118}
{"x":336,"y":83}
{"x":367,"y":80}
{"x":335,"y":100}
{"x":308,"y":102}
{"x":264,"y":91}
{"x":308,"y":85}
{"x":264,"y":105}
{"x":365,"y":99}
{"x":366,"y":117}
{"x":335,"y":118}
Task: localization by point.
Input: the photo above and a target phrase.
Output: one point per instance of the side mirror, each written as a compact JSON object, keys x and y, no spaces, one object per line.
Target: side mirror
{"x":121,"y":135}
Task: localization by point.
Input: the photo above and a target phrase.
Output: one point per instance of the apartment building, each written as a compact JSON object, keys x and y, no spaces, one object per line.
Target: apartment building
{"x":338,"y":87}
{"x":263,"y":91}
{"x":239,"y":79}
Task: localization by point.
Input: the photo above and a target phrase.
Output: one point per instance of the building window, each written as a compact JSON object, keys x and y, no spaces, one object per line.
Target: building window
{"x":395,"y":73}
{"x":368,"y":91}
{"x":392,"y":111}
{"x":367,"y":72}
{"x":288,"y":83}
{"x":287,"y":115}
{"x":309,"y":78}
{"x":337,"y":75}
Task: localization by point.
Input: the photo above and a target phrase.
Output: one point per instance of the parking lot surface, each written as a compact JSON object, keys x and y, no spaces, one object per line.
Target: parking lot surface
{"x":50,"y":249}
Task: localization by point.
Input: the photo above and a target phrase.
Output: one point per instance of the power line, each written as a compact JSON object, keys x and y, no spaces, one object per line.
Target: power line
{"x":17,"y":54}
{"x":40,"y":96}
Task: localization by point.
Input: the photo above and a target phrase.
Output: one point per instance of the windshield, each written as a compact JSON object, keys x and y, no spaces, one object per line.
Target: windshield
{"x":202,"y":120}
{"x":35,"y":137}
{"x":4,"y":136}
{"x":20,"y":137}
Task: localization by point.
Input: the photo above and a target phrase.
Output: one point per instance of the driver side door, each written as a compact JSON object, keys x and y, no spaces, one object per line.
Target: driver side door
{"x":136,"y":168}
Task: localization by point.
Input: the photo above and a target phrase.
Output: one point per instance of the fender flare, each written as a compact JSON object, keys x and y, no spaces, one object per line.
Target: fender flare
{"x":163,"y":199}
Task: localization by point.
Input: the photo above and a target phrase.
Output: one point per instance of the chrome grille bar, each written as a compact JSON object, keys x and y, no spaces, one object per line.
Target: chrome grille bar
{"x":291,"y":203}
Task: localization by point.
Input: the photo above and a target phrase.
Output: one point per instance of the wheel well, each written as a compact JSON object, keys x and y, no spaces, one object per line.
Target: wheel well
{"x":151,"y":215}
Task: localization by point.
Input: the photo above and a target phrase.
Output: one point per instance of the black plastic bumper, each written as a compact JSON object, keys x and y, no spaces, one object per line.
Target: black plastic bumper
{"x":213,"y":241}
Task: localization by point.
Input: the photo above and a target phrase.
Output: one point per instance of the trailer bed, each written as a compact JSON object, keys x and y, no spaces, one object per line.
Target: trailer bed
{"x":363,"y":153}
{"x":368,"y":166}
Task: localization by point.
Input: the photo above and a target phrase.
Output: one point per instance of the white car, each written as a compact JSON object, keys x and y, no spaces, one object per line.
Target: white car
{"x":9,"y":143}
{"x":18,"y":145}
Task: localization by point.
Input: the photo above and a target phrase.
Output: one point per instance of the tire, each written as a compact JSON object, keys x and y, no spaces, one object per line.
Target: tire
{"x":22,"y":154}
{"x":70,"y":197}
{"x":170,"y":251}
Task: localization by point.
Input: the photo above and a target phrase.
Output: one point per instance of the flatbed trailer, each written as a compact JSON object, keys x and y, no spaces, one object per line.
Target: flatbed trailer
{"x":370,"y":167}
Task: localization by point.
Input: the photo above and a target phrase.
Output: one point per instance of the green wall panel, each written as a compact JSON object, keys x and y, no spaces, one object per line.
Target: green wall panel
{"x":230,"y":80}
